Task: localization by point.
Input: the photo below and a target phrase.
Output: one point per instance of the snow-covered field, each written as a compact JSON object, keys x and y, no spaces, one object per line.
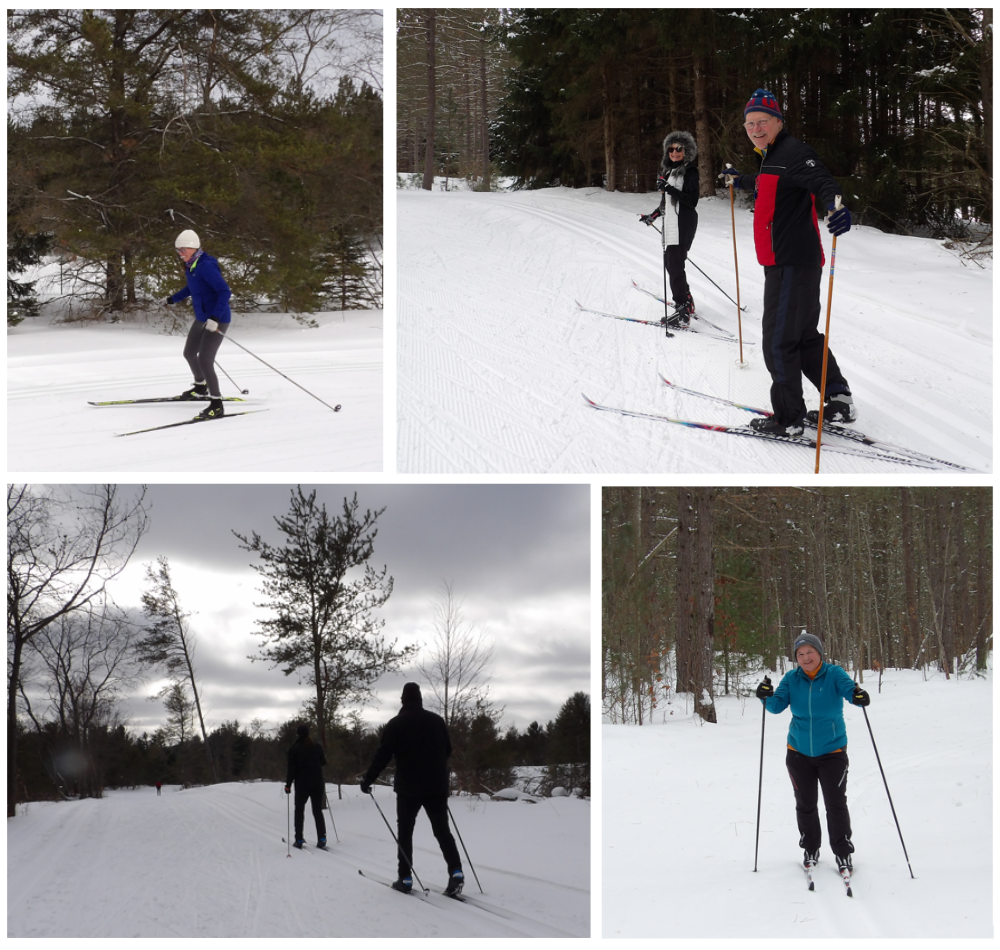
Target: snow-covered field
{"x":679,"y":822}
{"x":493,"y":354}
{"x":54,"y":369}
{"x":210,"y":862}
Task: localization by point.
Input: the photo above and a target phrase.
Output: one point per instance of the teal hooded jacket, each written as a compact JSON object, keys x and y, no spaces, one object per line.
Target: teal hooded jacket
{"x":817,"y":708}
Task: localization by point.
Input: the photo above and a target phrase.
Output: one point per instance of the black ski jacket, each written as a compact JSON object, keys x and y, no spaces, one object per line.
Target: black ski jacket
{"x":418,"y":740}
{"x":785,"y":225}
{"x":305,"y":763}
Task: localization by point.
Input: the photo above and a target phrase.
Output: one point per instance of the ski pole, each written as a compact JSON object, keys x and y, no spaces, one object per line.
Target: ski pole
{"x":399,"y":847}
{"x":466,"y":850}
{"x":877,"y":759}
{"x":703,"y":274}
{"x":289,"y":832}
{"x":760,"y":782}
{"x":739,"y":318}
{"x":330,"y":810}
{"x":278,"y":371}
{"x":244,"y":392}
{"x":666,"y":316}
{"x":826,"y":347}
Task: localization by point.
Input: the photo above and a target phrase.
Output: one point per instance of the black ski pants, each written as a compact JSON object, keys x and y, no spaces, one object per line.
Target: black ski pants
{"x":436,"y":806}
{"x":199,"y":351}
{"x":674,"y":257}
{"x":808,"y":775}
{"x":793,"y":345}
{"x":316,"y":794}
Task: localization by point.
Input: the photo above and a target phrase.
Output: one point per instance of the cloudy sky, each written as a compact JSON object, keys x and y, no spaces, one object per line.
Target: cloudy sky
{"x":516,"y":556}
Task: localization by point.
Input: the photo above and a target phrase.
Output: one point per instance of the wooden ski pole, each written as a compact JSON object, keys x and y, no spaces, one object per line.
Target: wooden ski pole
{"x":826,"y":346}
{"x":739,"y":310}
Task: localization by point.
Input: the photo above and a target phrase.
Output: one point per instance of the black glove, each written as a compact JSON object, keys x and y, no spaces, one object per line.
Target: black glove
{"x":860,"y":697}
{"x":838,"y":221}
{"x":366,"y":787}
{"x":288,"y":789}
{"x":765,"y":690}
{"x":730,"y":173}
{"x":648,"y":219}
{"x":661,"y":183}
{"x":167,"y":300}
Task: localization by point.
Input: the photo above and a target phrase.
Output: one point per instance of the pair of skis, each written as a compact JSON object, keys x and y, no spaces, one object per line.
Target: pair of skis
{"x":845,"y":876}
{"x":113,"y":403}
{"x":869,"y":448}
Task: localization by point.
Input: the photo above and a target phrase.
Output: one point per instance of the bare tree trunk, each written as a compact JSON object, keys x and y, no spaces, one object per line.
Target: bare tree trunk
{"x":428,"y":183}
{"x":609,"y":128}
{"x":485,"y":114}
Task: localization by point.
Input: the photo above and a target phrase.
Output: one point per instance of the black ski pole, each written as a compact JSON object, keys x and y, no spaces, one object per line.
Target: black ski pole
{"x":713,"y":283}
{"x":760,"y":781}
{"x":278,"y":371}
{"x":289,"y":838}
{"x":399,"y":847}
{"x":330,"y":810}
{"x":245,"y":392}
{"x":894,"y":818}
{"x":465,"y":849}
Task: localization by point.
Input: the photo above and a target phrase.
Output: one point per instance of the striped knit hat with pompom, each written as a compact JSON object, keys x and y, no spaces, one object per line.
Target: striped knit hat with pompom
{"x":764,"y":101}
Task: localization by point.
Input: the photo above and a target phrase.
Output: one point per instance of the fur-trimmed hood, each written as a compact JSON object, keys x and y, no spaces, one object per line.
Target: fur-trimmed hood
{"x":690,"y":149}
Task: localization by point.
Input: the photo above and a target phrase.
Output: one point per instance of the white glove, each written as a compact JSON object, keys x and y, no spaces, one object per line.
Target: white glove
{"x":211,"y":325}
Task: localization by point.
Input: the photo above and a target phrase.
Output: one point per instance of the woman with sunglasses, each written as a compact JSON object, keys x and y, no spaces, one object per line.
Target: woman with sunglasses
{"x":678,"y":180}
{"x":210,"y":295}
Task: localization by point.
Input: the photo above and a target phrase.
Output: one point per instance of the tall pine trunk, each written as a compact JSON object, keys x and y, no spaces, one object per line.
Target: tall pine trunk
{"x":431,"y":104}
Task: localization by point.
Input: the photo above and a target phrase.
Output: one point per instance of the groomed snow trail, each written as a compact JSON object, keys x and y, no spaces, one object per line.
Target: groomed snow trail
{"x":54,"y":370}
{"x":493,"y":354}
{"x":210,"y":862}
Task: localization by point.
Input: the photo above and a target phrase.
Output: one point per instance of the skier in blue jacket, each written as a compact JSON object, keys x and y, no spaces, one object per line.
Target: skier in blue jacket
{"x":817,"y":745}
{"x":210,"y":295}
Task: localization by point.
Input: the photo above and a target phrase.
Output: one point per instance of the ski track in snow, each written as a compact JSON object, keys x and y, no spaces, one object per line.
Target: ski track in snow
{"x":493,"y":354}
{"x":209,"y":862}
{"x":53,"y":371}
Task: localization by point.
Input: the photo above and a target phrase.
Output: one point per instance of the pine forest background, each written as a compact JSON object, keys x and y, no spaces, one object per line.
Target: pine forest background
{"x":897,"y":102}
{"x":259,"y":129}
{"x":703,"y":588}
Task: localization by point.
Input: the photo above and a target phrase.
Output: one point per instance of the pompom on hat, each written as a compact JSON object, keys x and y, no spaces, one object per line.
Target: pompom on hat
{"x":764,"y":101}
{"x":188,"y":239}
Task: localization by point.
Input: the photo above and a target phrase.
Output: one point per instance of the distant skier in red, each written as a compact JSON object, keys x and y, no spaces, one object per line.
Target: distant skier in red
{"x":158,"y":787}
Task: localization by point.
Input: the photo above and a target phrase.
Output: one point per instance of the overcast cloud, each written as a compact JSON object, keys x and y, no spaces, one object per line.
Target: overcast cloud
{"x":516,"y":556}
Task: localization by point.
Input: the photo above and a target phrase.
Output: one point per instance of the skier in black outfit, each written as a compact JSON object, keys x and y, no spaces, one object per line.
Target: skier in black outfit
{"x":418,"y":740}
{"x":305,"y":770}
{"x":786,"y":234}
{"x":678,"y":181}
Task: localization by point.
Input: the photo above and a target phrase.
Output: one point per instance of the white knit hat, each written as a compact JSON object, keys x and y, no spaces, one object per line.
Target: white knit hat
{"x":188,"y":239}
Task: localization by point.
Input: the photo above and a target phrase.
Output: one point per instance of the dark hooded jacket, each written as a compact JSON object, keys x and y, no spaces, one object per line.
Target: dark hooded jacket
{"x":418,"y":740}
{"x":305,"y":763}
{"x":684,"y":199}
{"x":207,"y":289}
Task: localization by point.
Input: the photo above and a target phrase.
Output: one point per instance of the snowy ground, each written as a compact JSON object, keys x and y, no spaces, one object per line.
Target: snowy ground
{"x":493,"y":355}
{"x":679,"y":822}
{"x":210,"y":862}
{"x":54,"y":369}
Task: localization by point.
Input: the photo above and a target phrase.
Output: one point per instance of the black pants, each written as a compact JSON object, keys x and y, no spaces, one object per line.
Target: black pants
{"x":200,"y":350}
{"x":674,"y":257}
{"x":808,"y":774}
{"x":793,"y":345}
{"x":436,"y":806}
{"x":316,"y":794}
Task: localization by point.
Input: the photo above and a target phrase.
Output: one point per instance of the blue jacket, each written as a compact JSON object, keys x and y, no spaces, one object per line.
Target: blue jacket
{"x":817,"y":708}
{"x":207,"y":289}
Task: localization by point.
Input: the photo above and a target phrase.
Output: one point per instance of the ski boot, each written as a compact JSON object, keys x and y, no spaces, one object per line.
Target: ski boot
{"x":195,"y":391}
{"x":810,"y":858}
{"x":681,"y":317}
{"x":455,"y":883}
{"x":321,"y":843}
{"x":404,"y":885}
{"x":844,"y":863}
{"x":213,"y":410}
{"x":299,"y":843}
{"x":768,"y":426}
{"x":839,"y":408}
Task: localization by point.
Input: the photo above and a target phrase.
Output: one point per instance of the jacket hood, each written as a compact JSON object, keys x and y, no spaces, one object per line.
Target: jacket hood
{"x":690,"y":149}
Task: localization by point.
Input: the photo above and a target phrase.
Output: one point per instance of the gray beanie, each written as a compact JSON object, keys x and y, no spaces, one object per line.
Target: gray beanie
{"x":808,"y":640}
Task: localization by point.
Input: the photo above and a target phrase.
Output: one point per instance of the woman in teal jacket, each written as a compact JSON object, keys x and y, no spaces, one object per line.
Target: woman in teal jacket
{"x":209,"y":295}
{"x":817,"y":745}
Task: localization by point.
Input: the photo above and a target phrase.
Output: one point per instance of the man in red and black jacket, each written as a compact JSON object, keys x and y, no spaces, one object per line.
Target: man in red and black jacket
{"x":787,"y":240}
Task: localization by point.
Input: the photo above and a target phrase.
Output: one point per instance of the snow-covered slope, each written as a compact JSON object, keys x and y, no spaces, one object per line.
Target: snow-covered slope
{"x":680,"y":817}
{"x":493,"y":354}
{"x":53,"y":370}
{"x":210,"y":862}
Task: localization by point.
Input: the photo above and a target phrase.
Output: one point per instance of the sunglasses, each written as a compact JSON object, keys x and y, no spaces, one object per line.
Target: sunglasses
{"x":679,"y":148}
